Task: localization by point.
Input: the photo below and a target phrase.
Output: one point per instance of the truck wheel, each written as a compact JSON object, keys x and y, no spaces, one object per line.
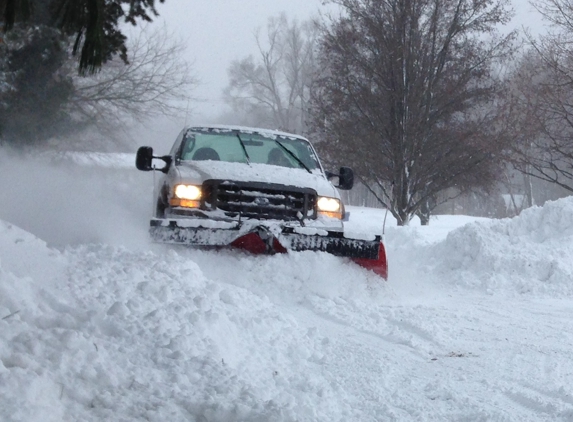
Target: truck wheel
{"x":160,"y":209}
{"x":161,"y":205}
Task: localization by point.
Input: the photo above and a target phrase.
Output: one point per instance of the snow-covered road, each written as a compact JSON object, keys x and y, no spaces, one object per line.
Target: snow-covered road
{"x":474,"y":324}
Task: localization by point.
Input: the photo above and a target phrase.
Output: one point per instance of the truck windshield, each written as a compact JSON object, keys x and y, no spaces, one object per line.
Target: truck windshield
{"x":244,"y":147}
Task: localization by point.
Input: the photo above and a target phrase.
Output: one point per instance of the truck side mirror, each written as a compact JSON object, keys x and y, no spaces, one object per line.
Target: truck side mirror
{"x":345,"y":178}
{"x":143,"y":158}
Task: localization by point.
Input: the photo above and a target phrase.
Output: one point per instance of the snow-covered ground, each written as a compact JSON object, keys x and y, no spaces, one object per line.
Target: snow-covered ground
{"x":474,"y":324}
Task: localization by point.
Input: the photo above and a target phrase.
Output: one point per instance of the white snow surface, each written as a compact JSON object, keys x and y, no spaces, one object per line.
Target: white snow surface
{"x":96,"y":323}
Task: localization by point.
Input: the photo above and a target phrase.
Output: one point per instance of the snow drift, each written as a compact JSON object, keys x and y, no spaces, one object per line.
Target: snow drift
{"x":530,"y":253}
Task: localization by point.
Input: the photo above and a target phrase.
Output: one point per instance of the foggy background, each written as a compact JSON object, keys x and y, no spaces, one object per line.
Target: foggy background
{"x":219,"y":31}
{"x":64,"y":202}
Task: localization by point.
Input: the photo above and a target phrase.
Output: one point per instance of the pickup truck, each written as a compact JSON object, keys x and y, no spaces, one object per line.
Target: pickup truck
{"x":256,"y":189}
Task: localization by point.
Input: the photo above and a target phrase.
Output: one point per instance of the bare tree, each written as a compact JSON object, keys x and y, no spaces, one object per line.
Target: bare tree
{"x":156,"y":81}
{"x":541,"y":103}
{"x":407,"y":96}
{"x":273,"y":89}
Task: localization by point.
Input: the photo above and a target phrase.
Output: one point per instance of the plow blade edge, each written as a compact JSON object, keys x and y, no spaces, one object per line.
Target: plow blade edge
{"x":369,"y":254}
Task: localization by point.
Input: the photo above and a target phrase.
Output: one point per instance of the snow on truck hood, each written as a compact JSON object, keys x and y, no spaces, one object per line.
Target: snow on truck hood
{"x":196,"y":172}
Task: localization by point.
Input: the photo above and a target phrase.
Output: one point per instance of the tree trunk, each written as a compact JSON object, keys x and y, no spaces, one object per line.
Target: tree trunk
{"x":529,"y":200}
{"x":425,"y":213}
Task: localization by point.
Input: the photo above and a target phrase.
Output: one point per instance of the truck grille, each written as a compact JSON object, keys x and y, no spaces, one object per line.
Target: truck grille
{"x":259,"y":200}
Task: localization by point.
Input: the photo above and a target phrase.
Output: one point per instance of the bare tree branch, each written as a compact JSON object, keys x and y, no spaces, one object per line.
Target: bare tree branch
{"x":273,"y":90}
{"x":156,"y":81}
{"x":540,"y":104}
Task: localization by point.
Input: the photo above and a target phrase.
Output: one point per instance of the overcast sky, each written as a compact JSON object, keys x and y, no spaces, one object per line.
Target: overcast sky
{"x":219,"y":31}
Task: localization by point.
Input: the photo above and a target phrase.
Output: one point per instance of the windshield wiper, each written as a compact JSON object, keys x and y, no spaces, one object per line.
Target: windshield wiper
{"x":244,"y":148}
{"x":289,"y":152}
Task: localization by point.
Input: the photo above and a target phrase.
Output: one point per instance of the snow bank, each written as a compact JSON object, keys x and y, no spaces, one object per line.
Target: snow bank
{"x":28,"y":270}
{"x":100,"y":332}
{"x":531,"y":253}
{"x":24,"y":255}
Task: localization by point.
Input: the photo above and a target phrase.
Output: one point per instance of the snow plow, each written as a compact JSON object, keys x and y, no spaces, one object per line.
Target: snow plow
{"x":259,"y":190}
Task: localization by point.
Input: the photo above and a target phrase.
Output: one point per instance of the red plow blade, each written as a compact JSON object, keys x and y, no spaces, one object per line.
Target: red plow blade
{"x":378,"y":266}
{"x":253,"y":243}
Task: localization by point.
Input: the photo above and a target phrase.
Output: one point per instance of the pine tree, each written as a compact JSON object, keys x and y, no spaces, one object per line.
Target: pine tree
{"x":94,"y":24}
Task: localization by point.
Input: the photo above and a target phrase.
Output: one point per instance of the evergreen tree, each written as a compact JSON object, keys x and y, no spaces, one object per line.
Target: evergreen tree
{"x":31,"y":107}
{"x":94,"y":24}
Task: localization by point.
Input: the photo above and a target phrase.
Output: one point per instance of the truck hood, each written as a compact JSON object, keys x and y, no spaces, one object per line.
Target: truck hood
{"x":196,"y":172}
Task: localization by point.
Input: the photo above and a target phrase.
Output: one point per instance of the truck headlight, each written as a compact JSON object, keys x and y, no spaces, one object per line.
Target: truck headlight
{"x":330,"y":207}
{"x":191,"y":192}
{"x":186,"y":196}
